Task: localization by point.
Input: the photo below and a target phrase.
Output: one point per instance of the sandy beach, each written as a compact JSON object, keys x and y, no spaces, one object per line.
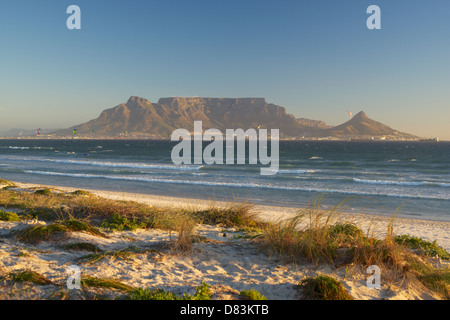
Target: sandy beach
{"x":426,"y":229}
{"x":229,"y":264}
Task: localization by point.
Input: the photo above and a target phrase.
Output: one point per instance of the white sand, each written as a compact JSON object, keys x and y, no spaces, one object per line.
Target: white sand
{"x":228,"y":264}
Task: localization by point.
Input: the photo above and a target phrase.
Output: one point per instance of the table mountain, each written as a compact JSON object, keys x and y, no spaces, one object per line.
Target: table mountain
{"x":140,"y":117}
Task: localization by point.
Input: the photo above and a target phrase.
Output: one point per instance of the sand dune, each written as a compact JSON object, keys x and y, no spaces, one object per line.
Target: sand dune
{"x":227,"y":263}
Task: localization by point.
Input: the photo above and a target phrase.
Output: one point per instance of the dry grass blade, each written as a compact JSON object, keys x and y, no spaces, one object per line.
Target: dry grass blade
{"x":105,"y":283}
{"x":124,"y":254}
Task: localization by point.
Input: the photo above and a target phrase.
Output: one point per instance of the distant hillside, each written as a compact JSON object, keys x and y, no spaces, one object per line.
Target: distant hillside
{"x":362,"y":125}
{"x":140,"y":117}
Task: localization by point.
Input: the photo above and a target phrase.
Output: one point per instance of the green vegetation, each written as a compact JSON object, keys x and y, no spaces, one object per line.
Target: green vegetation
{"x":309,"y":234}
{"x":252,"y":295}
{"x":8,"y":184}
{"x":314,"y":234}
{"x":78,"y":225}
{"x":151,"y":294}
{"x":436,"y":279}
{"x":30,"y":276}
{"x":96,"y":257}
{"x":123,"y":254}
{"x":202,"y":292}
{"x":120,"y":223}
{"x":345,"y":232}
{"x":428,"y":248}
{"x":43,"y":192}
{"x":229,"y":215}
{"x":82,"y":193}
{"x":36,"y":234}
{"x":323,"y":288}
{"x":316,"y":237}
{"x":82,"y":246}
{"x":89,"y":281}
{"x":8,"y":216}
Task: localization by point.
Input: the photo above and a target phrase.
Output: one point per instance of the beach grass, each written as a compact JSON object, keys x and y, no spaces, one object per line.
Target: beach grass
{"x":323,"y":287}
{"x":43,"y":192}
{"x":202,"y":292}
{"x":311,"y":233}
{"x":36,"y":234}
{"x":230,"y":214}
{"x":319,"y":240}
{"x":98,"y":256}
{"x":315,"y":234}
{"x":251,"y":294}
{"x":120,"y":223}
{"x":431,"y":249}
{"x":123,"y":254}
{"x":46,"y":205}
{"x":8,"y":216}
{"x":89,"y":281}
{"x":79,"y":225}
{"x":7,"y":184}
{"x":82,"y":246}
{"x":151,"y":294}
{"x":30,"y":276}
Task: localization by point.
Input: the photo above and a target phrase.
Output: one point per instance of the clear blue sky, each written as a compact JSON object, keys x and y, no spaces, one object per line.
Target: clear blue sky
{"x":314,"y":57}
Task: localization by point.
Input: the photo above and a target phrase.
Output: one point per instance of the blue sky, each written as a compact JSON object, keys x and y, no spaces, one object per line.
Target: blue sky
{"x":314,"y":57}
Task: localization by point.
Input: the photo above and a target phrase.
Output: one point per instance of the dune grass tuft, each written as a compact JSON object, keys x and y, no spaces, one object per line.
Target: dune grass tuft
{"x":36,"y":234}
{"x":239,"y":214}
{"x":120,"y":223}
{"x":436,"y":279}
{"x":8,"y":184}
{"x":82,"y":193}
{"x":123,"y":254}
{"x":8,"y":216}
{"x":98,"y":256}
{"x":251,"y":294}
{"x":323,"y":287}
{"x":44,"y":192}
{"x":428,"y":248}
{"x":82,"y":246}
{"x":202,"y":292}
{"x":78,"y":225}
{"x":89,"y":281}
{"x":310,"y":234}
{"x":30,"y":276}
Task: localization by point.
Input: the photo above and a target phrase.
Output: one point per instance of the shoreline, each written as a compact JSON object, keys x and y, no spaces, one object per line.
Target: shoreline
{"x":354,"y":139}
{"x":429,"y":230}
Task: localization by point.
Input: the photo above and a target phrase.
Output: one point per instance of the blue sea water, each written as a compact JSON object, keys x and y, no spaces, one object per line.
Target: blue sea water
{"x":409,"y":178}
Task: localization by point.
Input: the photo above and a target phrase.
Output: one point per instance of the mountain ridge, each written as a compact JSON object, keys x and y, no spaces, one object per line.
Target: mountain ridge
{"x":140,"y":117}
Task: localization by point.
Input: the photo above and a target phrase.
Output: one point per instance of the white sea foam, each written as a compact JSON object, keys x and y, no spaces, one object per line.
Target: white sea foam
{"x":297,"y":171}
{"x":224,"y":184}
{"x":117,"y":164}
{"x":401,"y":183}
{"x":19,"y":148}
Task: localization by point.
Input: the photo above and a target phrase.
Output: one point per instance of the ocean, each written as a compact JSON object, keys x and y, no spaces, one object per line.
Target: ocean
{"x":410,"y":179}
